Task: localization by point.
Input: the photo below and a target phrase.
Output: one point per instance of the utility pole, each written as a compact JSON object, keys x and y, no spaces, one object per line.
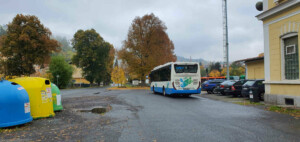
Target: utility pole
{"x":225,"y":38}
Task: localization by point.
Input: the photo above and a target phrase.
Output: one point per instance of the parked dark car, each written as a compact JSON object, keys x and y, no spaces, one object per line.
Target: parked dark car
{"x":254,"y":83}
{"x":236,"y":89}
{"x":210,"y":85}
{"x":226,"y":84}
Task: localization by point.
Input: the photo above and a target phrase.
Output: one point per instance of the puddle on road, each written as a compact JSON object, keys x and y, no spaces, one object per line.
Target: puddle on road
{"x":96,"y":110}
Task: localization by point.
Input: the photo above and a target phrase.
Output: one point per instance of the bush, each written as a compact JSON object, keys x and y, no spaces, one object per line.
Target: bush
{"x":58,"y":66}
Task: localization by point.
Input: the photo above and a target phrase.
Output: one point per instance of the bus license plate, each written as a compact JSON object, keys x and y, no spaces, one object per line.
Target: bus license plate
{"x":186,"y":88}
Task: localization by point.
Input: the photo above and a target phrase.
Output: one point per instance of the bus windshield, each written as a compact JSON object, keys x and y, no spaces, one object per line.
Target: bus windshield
{"x":186,"y":68}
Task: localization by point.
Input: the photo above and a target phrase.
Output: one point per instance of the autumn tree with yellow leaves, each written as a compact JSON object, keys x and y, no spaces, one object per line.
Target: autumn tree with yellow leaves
{"x":214,"y":73}
{"x":118,"y":76}
{"x":236,"y":69}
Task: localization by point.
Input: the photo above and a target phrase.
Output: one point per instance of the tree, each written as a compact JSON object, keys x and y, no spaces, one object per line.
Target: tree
{"x":2,"y":31}
{"x":118,"y":76}
{"x":92,"y":55}
{"x":214,"y":73}
{"x":58,"y":66}
{"x":107,"y":53}
{"x":26,"y":43}
{"x":235,"y":69}
{"x":224,"y":71}
{"x":109,"y":65}
{"x":116,"y":63}
{"x":215,"y":66}
{"x":66,"y":49}
{"x":147,"y":45}
{"x":203,"y":71}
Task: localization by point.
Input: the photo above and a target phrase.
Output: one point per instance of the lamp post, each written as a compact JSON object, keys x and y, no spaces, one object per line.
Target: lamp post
{"x":57,"y":76}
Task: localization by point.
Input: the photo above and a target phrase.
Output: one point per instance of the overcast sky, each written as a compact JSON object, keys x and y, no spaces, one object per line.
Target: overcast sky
{"x":195,"y":26}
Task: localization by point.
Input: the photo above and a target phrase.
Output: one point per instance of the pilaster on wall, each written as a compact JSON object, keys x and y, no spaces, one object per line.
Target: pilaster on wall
{"x":267,"y":58}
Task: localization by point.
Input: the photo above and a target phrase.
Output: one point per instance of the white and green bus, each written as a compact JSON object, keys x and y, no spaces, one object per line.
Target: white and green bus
{"x":179,"y":78}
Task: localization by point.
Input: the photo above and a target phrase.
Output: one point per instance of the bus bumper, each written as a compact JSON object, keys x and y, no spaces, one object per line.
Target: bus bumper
{"x":173,"y":91}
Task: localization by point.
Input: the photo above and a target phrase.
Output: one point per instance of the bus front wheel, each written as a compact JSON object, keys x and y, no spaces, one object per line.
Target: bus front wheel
{"x":164,"y":91}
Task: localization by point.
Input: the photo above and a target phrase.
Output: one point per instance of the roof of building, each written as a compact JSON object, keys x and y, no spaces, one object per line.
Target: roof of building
{"x":77,"y":72}
{"x":251,"y":59}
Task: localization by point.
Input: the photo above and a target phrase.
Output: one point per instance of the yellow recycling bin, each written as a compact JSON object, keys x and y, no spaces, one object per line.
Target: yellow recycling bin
{"x":40,"y":96}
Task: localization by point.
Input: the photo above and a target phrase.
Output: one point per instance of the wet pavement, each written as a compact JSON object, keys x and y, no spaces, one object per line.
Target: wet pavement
{"x":139,"y":115}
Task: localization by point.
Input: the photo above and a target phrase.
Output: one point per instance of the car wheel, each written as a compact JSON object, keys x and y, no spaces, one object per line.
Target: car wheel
{"x":208,"y":92}
{"x":214,"y":91}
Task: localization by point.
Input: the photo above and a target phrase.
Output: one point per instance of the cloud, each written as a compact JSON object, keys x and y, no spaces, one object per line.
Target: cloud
{"x":195,"y":26}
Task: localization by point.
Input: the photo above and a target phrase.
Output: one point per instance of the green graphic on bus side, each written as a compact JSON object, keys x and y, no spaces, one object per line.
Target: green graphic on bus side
{"x":185,"y":82}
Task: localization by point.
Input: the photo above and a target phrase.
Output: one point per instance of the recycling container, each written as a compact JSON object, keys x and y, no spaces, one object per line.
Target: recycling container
{"x":56,"y":97}
{"x":40,"y":96}
{"x":14,"y":105}
{"x":253,"y":94}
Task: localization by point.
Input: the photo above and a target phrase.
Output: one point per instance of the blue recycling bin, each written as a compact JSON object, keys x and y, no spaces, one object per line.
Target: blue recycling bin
{"x":14,"y":105}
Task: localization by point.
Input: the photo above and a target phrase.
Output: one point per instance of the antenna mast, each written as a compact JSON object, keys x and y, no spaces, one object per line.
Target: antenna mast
{"x":225,"y":37}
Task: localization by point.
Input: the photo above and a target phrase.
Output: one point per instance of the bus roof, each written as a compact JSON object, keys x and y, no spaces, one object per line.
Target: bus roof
{"x":170,"y":63}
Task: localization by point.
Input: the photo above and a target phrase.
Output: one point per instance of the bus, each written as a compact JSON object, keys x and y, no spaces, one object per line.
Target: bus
{"x":176,"y":78}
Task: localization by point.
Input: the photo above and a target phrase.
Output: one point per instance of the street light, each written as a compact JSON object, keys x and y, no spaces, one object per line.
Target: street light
{"x":57,"y":76}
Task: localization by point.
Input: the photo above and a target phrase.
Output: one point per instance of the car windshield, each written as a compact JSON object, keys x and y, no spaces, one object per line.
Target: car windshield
{"x":249,"y":83}
{"x":186,"y":68}
{"x":205,"y":82}
{"x":228,"y":82}
{"x":231,"y":83}
{"x":216,"y":81}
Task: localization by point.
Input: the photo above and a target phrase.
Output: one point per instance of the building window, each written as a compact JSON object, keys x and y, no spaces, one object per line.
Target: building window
{"x":291,"y":49}
{"x":291,"y":58}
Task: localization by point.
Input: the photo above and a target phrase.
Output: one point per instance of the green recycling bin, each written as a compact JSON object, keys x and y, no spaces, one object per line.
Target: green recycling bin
{"x":56,"y":96}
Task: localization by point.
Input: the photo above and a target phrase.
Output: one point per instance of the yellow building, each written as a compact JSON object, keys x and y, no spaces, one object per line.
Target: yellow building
{"x":254,"y":67}
{"x":77,"y":77}
{"x":281,"y":23}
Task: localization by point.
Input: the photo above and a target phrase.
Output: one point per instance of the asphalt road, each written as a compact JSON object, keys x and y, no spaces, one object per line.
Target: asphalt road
{"x":139,"y":115}
{"x":143,"y":116}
